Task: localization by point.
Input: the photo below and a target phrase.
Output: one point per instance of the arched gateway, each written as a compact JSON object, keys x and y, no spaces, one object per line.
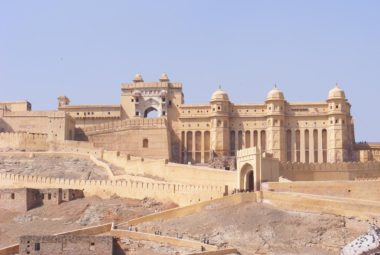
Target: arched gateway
{"x":254,"y":168}
{"x":247,"y":179}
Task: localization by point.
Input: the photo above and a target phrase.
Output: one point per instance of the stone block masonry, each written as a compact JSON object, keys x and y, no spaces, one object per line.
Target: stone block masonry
{"x":66,"y":245}
{"x":24,"y":199}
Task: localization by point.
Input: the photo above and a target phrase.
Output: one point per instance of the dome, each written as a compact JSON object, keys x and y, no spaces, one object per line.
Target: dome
{"x":163,"y":93}
{"x":337,"y":93}
{"x":275,"y":94}
{"x":136,"y":93}
{"x":164,"y":77}
{"x":138,"y":78}
{"x":219,"y":95}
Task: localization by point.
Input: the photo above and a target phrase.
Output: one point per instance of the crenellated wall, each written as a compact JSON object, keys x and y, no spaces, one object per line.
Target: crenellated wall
{"x":366,"y":190}
{"x":24,"y":141}
{"x":329,"y":171}
{"x":181,"y":194}
{"x":171,"y":172}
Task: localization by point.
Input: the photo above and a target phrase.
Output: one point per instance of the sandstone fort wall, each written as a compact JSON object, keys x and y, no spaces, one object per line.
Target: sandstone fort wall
{"x":362,"y":209}
{"x":366,"y":190}
{"x":181,"y":194}
{"x":329,"y":171}
{"x":24,"y":141}
{"x":172,"y":172}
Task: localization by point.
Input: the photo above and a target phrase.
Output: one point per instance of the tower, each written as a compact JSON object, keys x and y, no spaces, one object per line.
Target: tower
{"x":219,"y":133}
{"x":275,"y":132}
{"x":339,"y":139}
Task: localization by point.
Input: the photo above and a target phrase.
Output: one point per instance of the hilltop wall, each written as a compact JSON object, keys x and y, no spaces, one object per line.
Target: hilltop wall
{"x":56,"y":124}
{"x":140,"y":137}
{"x":24,"y":141}
{"x":329,"y":171}
{"x":172,"y":172}
{"x":366,"y":190}
{"x":181,"y":194}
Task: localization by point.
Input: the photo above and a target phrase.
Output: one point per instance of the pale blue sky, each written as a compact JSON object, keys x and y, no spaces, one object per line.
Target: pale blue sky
{"x":85,"y":49}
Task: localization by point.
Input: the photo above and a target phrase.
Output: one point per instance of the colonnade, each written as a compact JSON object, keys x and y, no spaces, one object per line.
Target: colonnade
{"x":306,"y":145}
{"x":245,"y":139}
{"x":302,"y":145}
{"x":195,"y":146}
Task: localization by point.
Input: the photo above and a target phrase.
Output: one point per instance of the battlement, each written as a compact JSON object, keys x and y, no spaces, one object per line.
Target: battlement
{"x":140,"y":123}
{"x":179,"y":193}
{"x":247,"y":152}
{"x":344,"y":166}
{"x":142,"y":85}
{"x":24,"y":141}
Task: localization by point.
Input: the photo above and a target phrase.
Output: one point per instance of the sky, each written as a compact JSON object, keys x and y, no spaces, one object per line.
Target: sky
{"x":86,"y":49}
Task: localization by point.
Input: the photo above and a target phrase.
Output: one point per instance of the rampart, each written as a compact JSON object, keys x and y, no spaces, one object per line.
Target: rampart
{"x":181,"y":194}
{"x":362,"y":209}
{"x":365,"y":190}
{"x":368,"y":152}
{"x":172,"y":172}
{"x":122,"y":124}
{"x":24,"y":141}
{"x":329,"y":171}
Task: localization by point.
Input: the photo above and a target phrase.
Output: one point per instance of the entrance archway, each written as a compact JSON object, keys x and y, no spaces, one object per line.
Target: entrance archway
{"x":151,"y":112}
{"x":249,"y":181}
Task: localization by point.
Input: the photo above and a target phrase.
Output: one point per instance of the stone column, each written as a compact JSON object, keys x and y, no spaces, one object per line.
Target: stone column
{"x":203,"y":146}
{"x":193,"y":146}
{"x":259,"y":139}
{"x":311,"y":145}
{"x":185,"y":148}
{"x":320,"y":149}
{"x":243,"y":139}
{"x":252,"y":138}
{"x":293,"y":145}
{"x":236,"y":141}
{"x":302,"y":145}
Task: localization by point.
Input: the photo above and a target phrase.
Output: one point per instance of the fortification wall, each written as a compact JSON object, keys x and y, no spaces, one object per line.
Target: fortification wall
{"x":172,"y":172}
{"x":24,"y":141}
{"x":362,"y":209}
{"x":329,"y":171}
{"x":368,"y":152}
{"x":16,"y":122}
{"x":366,"y":190}
{"x":76,"y":147}
{"x":178,"y":212}
{"x":143,"y":142}
{"x":181,"y":194}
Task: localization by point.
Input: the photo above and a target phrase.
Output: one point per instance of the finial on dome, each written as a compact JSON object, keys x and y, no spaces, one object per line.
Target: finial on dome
{"x":219,"y":95}
{"x":220,"y":86}
{"x":138,"y":78}
{"x":336,"y":93}
{"x":275,"y":94}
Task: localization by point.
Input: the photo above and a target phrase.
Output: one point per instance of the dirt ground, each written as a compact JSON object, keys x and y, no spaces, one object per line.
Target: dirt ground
{"x":57,"y":167}
{"x":263,"y":229}
{"x":80,"y":213}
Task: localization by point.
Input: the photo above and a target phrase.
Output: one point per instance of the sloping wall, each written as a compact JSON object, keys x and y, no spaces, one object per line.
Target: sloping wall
{"x":181,"y":194}
{"x":172,"y":172}
{"x":366,"y":190}
{"x":329,"y":171}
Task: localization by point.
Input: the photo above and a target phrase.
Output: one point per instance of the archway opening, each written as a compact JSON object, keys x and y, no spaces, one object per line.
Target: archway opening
{"x":247,"y":178}
{"x":249,"y":182}
{"x":151,"y":113}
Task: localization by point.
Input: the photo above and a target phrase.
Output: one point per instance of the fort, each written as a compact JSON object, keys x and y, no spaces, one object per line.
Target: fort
{"x":292,"y":155}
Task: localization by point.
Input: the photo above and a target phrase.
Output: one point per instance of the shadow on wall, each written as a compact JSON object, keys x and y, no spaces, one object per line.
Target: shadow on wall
{"x":117,"y":250}
{"x":4,"y":127}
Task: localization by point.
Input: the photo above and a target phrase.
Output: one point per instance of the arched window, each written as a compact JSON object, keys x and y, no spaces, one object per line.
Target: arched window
{"x":145,"y":143}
